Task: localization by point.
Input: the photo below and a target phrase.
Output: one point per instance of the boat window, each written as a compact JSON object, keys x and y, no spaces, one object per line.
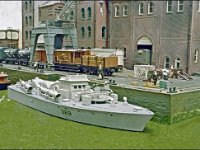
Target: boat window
{"x":75,"y":87}
{"x":83,"y":86}
{"x":79,"y":86}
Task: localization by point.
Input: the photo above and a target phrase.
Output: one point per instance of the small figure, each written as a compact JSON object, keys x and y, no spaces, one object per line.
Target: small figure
{"x":155,"y":77}
{"x":165,"y":74}
{"x":36,"y":66}
{"x":100,"y":72}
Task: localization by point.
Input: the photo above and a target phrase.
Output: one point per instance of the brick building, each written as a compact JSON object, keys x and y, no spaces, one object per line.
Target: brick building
{"x":30,"y":19}
{"x":169,"y":30}
{"x":9,"y":38}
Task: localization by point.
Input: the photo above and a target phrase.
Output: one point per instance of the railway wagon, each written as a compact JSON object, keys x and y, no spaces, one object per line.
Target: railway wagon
{"x":40,"y":56}
{"x":23,"y":56}
{"x":82,"y":61}
{"x":11,"y":55}
{"x":69,"y":60}
{"x":2,"y":54}
{"x":92,"y":63}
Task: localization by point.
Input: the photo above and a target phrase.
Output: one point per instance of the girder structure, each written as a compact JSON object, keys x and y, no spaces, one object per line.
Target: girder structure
{"x":54,"y":32}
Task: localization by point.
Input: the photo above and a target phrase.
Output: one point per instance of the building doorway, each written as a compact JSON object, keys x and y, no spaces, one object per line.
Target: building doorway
{"x":144,"y":45}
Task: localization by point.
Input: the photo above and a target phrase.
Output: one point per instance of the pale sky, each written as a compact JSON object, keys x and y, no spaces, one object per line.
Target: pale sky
{"x":10,"y":14}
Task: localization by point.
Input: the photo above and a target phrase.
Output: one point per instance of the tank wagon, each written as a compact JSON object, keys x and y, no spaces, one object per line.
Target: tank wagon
{"x":2,"y":54}
{"x":23,"y":56}
{"x":11,"y":55}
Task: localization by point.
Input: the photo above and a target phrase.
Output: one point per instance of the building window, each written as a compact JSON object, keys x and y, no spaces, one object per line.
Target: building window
{"x":50,"y":11}
{"x":26,"y":20}
{"x":82,"y":32}
{"x":30,"y":2}
{"x":103,"y":33}
{"x":83,"y":13}
{"x":141,"y":9}
{"x":30,"y":20}
{"x":198,"y":5}
{"x":125,"y":10}
{"x":180,"y":5}
{"x":89,"y":13}
{"x":150,"y":7}
{"x":26,"y":34}
{"x":166,"y":63}
{"x":89,"y":32}
{"x":196,"y":53}
{"x":71,"y":15}
{"x":116,"y":11}
{"x":26,"y":5}
{"x":177,"y":63}
{"x":169,"y":6}
{"x":30,"y":34}
{"x":125,"y":52}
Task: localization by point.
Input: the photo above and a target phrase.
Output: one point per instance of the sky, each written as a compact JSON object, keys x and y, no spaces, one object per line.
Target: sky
{"x":10,"y":14}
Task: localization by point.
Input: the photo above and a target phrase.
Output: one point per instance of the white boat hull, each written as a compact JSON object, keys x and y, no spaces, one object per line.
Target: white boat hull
{"x":133,"y":122}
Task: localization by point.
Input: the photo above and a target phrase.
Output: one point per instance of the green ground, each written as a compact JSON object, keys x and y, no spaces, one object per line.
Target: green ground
{"x":23,"y":127}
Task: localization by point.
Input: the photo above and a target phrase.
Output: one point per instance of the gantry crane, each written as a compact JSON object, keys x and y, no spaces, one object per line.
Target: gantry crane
{"x":54,"y":32}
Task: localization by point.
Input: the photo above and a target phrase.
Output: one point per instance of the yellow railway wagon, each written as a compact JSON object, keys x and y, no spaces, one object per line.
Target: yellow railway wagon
{"x":62,"y":57}
{"x":111,"y":61}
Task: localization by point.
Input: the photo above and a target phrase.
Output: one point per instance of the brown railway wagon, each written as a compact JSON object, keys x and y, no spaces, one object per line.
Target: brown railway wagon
{"x":40,"y":56}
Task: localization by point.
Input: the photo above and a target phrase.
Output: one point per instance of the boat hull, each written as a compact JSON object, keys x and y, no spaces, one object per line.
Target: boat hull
{"x":133,"y":122}
{"x":3,"y":86}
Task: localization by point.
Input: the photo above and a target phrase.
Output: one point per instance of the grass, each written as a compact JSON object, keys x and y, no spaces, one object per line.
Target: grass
{"x":24,"y":128}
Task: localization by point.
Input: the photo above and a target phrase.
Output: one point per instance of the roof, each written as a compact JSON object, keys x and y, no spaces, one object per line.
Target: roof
{"x":48,"y":3}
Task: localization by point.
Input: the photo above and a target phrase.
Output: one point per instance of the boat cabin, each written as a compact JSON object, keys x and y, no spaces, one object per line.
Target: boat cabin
{"x":71,"y":85}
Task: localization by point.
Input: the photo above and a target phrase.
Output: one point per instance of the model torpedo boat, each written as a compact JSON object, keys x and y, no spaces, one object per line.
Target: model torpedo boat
{"x":72,"y":98}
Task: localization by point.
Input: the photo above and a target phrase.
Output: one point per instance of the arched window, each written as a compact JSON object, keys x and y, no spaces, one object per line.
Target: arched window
{"x":26,"y":5}
{"x":196,"y":55}
{"x":89,"y":12}
{"x":71,"y":15}
{"x":198,"y":5}
{"x":26,"y":34}
{"x":169,"y":6}
{"x":89,"y":31}
{"x":30,"y":34}
{"x":177,"y":63}
{"x":26,"y":20}
{"x":150,"y":7}
{"x":166,"y":62}
{"x":125,"y":52}
{"x":180,"y":5}
{"x":141,"y":8}
{"x":116,"y":11}
{"x":83,"y":13}
{"x":30,"y":20}
{"x":103,"y":33}
{"x":125,"y":10}
{"x":82,"y":32}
